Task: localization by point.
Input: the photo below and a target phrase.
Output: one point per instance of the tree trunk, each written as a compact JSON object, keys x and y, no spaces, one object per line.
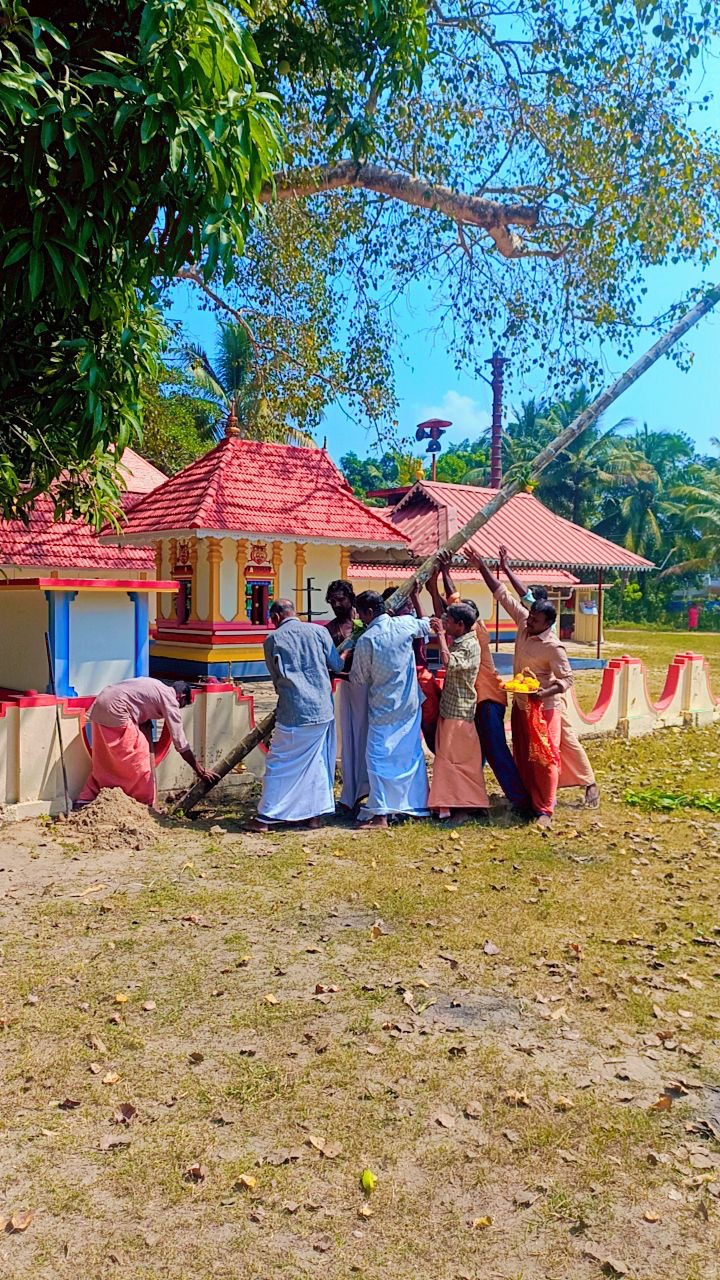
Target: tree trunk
{"x":261,"y":733}
{"x":562,"y":441}
{"x":493,"y":217}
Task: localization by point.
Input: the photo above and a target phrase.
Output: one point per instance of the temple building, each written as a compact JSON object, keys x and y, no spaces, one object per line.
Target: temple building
{"x":246,"y":524}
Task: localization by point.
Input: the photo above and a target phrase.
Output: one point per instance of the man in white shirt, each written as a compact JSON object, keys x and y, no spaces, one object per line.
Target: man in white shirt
{"x":384,"y":661}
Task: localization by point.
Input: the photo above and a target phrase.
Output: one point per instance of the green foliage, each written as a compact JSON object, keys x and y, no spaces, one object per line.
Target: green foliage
{"x":467,"y":462}
{"x":654,"y":798}
{"x":136,"y":137}
{"x":178,"y":425}
{"x":132,"y":137}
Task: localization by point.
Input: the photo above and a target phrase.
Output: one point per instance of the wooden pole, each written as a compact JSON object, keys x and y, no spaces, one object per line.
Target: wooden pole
{"x":261,"y":733}
{"x":561,"y":442}
{"x":600,"y":614}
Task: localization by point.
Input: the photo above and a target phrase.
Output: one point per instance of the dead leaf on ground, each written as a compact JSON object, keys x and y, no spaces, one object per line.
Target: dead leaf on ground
{"x":246,"y":1182}
{"x":124,"y":1113}
{"x":121,"y":998}
{"x":269,"y":998}
{"x":445,"y":1120}
{"x":516,"y":1098}
{"x":490,"y":949}
{"x":473,"y":1110}
{"x":110,"y":1077}
{"x":195,"y":1057}
{"x":663,"y":1103}
{"x":321,"y":1244}
{"x":482,"y":1223}
{"x":379,"y":929}
{"x":650,"y":1216}
{"x":562,"y":1103}
{"x":149,"y":1005}
{"x":69,"y":1104}
{"x":111,"y":1141}
{"x":195,"y":1172}
{"x":19,"y":1221}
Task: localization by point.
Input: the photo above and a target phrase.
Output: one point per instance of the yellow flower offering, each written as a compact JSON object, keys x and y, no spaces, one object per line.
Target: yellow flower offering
{"x":524,"y":682}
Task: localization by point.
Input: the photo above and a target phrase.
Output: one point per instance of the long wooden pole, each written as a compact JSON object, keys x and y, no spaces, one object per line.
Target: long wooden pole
{"x":561,"y":442}
{"x":260,"y":733}
{"x":539,"y":463}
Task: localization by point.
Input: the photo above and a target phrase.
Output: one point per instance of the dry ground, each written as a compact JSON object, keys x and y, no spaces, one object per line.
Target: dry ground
{"x":206,"y":1040}
{"x":656,"y":649}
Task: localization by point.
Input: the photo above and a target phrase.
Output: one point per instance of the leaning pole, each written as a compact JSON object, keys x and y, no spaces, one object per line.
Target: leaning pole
{"x":503,"y":496}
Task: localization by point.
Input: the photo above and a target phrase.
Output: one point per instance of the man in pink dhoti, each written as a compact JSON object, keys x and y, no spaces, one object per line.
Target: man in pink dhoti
{"x":457,"y":781}
{"x":122,"y":753}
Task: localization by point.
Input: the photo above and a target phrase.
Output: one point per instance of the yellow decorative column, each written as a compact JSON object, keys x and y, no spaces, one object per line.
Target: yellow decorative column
{"x":277,"y":558}
{"x":241,"y":559}
{"x":300,"y":561}
{"x":158,"y":574}
{"x":215,"y":559}
{"x":193,"y":615}
{"x":344,"y":561}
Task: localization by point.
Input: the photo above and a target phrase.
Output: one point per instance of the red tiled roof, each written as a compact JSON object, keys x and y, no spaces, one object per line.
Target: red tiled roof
{"x":397,"y":573}
{"x":245,"y":487}
{"x":431,"y":513}
{"x":140,"y":476}
{"x":72,"y":544}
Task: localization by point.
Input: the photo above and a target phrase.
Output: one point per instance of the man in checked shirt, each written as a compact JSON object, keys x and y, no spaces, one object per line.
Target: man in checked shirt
{"x":457,"y":781}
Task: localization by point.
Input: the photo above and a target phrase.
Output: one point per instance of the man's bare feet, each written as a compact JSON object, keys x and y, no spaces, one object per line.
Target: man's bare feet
{"x":261,"y":825}
{"x":592,"y":795}
{"x":378,"y":823}
{"x":312,"y":824}
{"x":544,"y":822}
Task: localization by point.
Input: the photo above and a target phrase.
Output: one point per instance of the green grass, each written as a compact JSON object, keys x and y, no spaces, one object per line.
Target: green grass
{"x":595,"y":927}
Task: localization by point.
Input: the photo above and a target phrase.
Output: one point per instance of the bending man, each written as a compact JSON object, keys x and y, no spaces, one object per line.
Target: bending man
{"x":385,"y":663}
{"x":300,"y":772}
{"x":122,"y":746}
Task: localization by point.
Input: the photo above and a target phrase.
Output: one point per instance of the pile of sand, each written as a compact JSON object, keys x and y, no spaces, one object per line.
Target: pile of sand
{"x":115,"y":818}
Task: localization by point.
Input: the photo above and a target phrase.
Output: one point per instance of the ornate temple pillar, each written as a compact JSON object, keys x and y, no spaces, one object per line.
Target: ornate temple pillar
{"x":193,"y":615}
{"x":215,"y":558}
{"x":344,"y":561}
{"x":241,"y":559}
{"x":300,"y":561}
{"x":277,"y":558}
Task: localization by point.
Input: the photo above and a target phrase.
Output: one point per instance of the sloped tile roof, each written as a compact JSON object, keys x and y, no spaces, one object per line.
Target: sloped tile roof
{"x":72,"y":544}
{"x":246,"y":487}
{"x":431,"y":513}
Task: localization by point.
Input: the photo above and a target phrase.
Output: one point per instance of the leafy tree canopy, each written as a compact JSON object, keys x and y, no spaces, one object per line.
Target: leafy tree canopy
{"x":135,"y":138}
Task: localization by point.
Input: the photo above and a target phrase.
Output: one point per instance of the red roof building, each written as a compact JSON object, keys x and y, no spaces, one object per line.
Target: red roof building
{"x":243,"y":525}
{"x":545,"y":549}
{"x":68,"y":545}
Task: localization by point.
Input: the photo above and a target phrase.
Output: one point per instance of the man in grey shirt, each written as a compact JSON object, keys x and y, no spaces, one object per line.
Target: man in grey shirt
{"x":300,"y":772}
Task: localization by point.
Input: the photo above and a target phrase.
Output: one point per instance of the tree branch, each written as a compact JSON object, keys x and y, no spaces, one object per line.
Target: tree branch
{"x":494,"y":218}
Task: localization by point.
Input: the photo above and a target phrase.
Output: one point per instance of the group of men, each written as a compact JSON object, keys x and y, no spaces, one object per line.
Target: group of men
{"x":389,"y":702}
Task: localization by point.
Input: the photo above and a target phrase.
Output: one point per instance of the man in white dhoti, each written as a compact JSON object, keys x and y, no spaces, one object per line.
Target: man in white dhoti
{"x":351,"y":700}
{"x":384,"y":662}
{"x":300,"y":773}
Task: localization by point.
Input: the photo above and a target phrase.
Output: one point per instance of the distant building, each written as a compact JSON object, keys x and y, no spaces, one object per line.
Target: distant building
{"x":573,"y":563}
{"x":93,"y":600}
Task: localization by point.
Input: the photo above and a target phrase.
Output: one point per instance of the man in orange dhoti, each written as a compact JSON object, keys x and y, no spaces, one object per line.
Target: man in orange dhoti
{"x":457,"y":781}
{"x":575,"y":768}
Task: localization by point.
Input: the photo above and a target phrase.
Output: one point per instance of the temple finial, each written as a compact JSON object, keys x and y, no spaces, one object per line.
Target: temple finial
{"x":232,"y":426}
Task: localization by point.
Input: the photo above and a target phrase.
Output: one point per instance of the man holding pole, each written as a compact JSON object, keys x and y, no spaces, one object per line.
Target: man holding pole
{"x":385,"y":663}
{"x":300,"y":772}
{"x":575,"y":768}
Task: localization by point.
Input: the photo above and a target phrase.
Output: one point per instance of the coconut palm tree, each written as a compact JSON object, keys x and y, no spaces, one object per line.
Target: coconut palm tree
{"x":695,"y":506}
{"x":232,"y":375}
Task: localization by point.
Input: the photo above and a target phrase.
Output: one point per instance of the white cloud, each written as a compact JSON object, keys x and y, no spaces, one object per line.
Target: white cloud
{"x":468,"y":417}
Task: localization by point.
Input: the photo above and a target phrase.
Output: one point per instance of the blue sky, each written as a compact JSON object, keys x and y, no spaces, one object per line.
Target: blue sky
{"x":428,"y":385}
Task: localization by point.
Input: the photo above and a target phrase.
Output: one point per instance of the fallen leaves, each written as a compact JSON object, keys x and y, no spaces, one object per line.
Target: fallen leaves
{"x":195,"y":1173}
{"x":18,"y":1221}
{"x":270,"y":999}
{"x":246,"y":1182}
{"x":368,"y":1181}
{"x":330,"y":1150}
{"x":445,"y":1120}
{"x":482,"y":1223}
{"x":110,"y":1077}
{"x":124,"y":1113}
{"x":516,"y":1098}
